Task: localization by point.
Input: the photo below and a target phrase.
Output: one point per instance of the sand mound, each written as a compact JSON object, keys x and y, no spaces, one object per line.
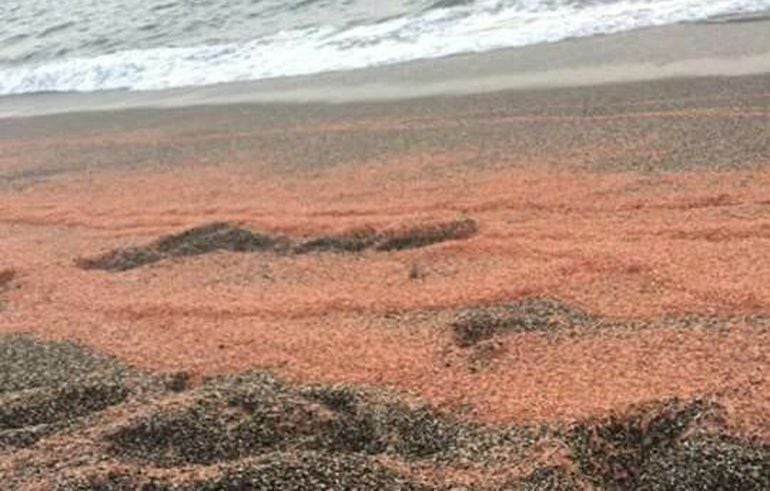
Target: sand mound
{"x":535,"y":314}
{"x":193,"y":242}
{"x":427,"y":235}
{"x":238,"y":417}
{"x":354,"y":241}
{"x":394,"y":240}
{"x":45,"y":406}
{"x":45,"y":387}
{"x":254,"y":431}
{"x":309,"y":471}
{"x":26,"y":364}
{"x":223,"y":236}
{"x":669,"y":445}
{"x":480,"y":336}
{"x":296,"y":471}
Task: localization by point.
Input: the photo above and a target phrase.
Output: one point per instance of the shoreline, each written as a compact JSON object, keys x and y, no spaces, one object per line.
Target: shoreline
{"x":698,"y":50}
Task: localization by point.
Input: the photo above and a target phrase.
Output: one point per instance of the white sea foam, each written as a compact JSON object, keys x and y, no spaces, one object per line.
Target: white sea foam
{"x":481,"y":26}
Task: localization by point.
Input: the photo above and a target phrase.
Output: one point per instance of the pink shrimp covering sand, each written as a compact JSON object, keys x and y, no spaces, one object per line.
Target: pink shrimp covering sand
{"x":623,"y":245}
{"x":618,"y":245}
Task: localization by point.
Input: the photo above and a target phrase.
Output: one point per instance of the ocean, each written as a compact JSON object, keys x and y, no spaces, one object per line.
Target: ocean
{"x":101,"y":45}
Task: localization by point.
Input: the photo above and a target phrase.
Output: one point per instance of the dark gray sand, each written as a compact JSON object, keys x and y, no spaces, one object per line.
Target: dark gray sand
{"x":661,"y":126}
{"x":221,"y":236}
{"x":71,"y":419}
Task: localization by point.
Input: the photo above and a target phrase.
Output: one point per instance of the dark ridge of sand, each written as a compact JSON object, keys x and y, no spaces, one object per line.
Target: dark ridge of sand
{"x":486,"y":333}
{"x":220,"y":236}
{"x":192,"y":242}
{"x":475,"y":325}
{"x":255,"y":431}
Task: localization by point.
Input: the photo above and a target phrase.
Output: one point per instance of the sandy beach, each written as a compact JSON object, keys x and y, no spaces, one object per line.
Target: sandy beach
{"x":588,"y":260}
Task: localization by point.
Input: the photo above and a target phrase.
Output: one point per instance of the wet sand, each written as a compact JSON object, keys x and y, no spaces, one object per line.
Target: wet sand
{"x":643,"y":206}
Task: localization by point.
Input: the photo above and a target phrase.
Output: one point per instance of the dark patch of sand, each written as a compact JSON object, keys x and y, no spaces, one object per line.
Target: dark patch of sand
{"x":478,"y":324}
{"x":484,"y":333}
{"x":193,"y":242}
{"x":254,"y":431}
{"x":45,"y":387}
{"x":223,"y":236}
{"x":669,"y":445}
{"x":414,"y":238}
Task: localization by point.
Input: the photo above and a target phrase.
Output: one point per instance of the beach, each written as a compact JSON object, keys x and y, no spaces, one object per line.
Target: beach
{"x":552,"y":268}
